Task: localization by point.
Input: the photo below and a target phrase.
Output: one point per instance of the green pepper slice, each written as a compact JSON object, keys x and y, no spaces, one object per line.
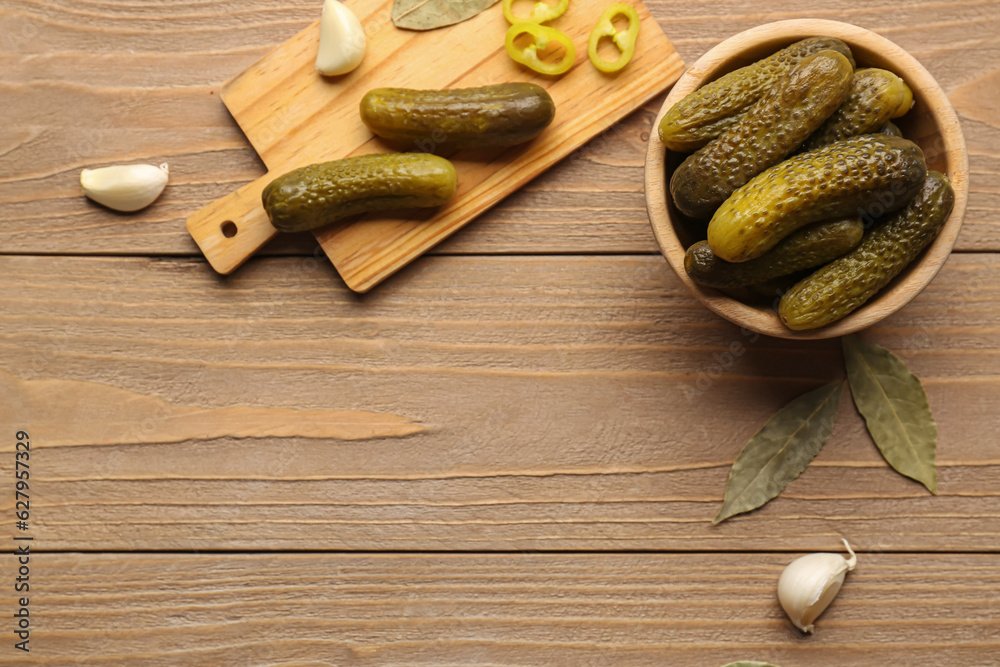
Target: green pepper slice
{"x":624,"y":40}
{"x":529,"y":55}
{"x":540,"y":13}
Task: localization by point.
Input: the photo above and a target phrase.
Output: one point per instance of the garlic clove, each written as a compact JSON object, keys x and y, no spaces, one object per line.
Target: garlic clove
{"x":808,"y":585}
{"x":341,"y":40}
{"x":125,"y":187}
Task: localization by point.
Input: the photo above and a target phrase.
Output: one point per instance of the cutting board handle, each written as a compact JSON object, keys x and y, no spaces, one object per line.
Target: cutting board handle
{"x":230,"y":230}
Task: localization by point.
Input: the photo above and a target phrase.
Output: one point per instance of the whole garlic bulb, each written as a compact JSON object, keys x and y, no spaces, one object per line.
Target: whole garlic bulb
{"x":125,"y":187}
{"x":808,"y":585}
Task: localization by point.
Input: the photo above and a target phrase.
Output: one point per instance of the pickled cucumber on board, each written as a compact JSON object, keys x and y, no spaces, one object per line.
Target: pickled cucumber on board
{"x":707,"y":112}
{"x":319,"y":194}
{"x":842,"y":286}
{"x":771,"y":129}
{"x":811,"y":246}
{"x":866,"y":176}
{"x":876,"y":95}
{"x":501,"y":115}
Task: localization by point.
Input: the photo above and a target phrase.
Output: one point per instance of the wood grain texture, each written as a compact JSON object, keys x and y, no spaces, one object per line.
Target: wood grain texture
{"x":635,"y":610}
{"x":544,"y":382}
{"x":143,"y":80}
{"x":130,"y":418}
{"x":562,"y":403}
{"x":294,"y":117}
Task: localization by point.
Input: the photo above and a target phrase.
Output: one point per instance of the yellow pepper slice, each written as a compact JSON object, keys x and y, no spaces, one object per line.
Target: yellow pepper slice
{"x":540,"y":13}
{"x":624,"y":40}
{"x":529,"y":55}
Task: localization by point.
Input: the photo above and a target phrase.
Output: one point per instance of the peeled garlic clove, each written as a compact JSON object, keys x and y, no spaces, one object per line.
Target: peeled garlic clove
{"x":341,"y":40}
{"x":809,"y":584}
{"x":125,"y":187}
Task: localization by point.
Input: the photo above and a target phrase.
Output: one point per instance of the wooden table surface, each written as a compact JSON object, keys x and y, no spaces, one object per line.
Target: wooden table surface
{"x":507,"y":454}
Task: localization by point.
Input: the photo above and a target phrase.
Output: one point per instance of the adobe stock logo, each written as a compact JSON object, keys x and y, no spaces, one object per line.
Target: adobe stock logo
{"x":724,"y":362}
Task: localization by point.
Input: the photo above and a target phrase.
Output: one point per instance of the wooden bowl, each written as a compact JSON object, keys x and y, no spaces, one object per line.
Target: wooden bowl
{"x":931,"y":123}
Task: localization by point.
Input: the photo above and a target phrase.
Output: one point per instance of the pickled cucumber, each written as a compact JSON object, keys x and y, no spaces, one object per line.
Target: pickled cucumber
{"x":811,"y":246}
{"x":867,"y":176}
{"x":770,"y":131}
{"x":775,"y":288}
{"x":889,"y":128}
{"x":502,"y":115}
{"x":845,"y":284}
{"x":316,"y":195}
{"x":707,"y":112}
{"x":876,"y":95}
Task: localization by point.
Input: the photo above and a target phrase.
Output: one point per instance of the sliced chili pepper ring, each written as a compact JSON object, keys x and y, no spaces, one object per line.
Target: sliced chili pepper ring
{"x":542,"y":36}
{"x":624,"y":40}
{"x":540,"y":13}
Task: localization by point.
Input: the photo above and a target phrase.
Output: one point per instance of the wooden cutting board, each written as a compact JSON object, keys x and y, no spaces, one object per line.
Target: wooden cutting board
{"x":293,"y":116}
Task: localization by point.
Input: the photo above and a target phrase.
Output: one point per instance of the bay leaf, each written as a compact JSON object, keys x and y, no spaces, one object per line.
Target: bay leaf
{"x":781,"y":450}
{"x":894,"y":405}
{"x":749,"y":663}
{"x":430,"y":14}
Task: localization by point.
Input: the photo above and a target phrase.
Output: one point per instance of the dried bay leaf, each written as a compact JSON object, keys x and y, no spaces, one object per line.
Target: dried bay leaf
{"x":894,"y":405}
{"x":430,"y":14}
{"x":781,"y":450}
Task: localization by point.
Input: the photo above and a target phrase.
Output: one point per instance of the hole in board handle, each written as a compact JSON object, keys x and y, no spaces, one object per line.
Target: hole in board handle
{"x":229,"y":229}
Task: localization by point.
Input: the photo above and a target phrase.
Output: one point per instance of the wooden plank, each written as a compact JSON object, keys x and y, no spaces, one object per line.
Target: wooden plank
{"x":474,"y":403}
{"x":698,"y":610}
{"x":143,"y":82}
